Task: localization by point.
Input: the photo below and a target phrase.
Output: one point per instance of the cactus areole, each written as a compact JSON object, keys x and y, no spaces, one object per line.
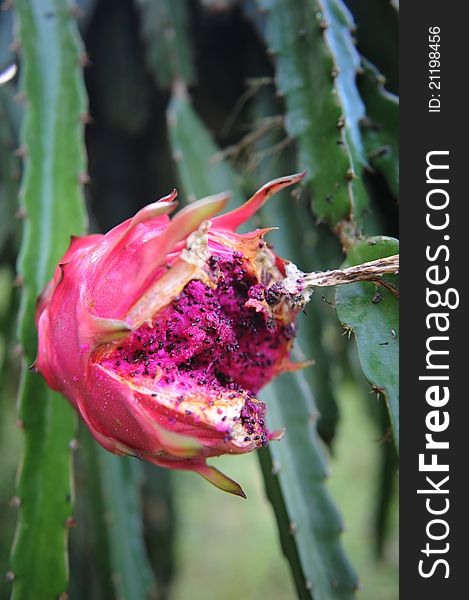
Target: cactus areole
{"x":161,"y":333}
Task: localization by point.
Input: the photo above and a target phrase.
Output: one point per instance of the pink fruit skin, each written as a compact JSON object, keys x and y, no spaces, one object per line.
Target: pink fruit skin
{"x":160,"y":335}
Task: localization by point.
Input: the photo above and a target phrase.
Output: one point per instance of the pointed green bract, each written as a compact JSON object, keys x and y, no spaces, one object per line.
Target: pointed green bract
{"x":123,"y":101}
{"x":295,"y":471}
{"x":372,"y":313}
{"x":51,"y":196}
{"x":9,"y":174}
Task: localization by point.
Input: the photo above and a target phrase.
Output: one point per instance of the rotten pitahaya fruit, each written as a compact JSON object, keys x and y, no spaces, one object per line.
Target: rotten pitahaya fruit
{"x":161,"y":333}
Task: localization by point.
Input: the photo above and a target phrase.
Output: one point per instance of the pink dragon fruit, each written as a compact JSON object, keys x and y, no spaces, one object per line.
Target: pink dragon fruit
{"x":161,"y":333}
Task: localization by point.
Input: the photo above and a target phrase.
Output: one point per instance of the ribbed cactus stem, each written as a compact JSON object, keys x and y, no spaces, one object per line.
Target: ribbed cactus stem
{"x":52,"y":201}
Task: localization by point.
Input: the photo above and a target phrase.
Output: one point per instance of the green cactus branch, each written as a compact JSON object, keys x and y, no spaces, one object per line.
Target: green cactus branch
{"x":311,"y":42}
{"x":372,"y":314}
{"x":194,"y":152}
{"x":109,"y":559}
{"x":165,"y":31}
{"x":51,"y":197}
{"x":380,"y":126}
{"x":294,"y":473}
{"x":121,"y":482}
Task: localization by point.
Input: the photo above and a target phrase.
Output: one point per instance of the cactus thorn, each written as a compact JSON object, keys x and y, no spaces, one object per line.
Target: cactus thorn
{"x":84,"y":60}
{"x":347,"y":330}
{"x":380,"y":152}
{"x":341,"y":122}
{"x":21,"y":151}
{"x":308,"y":585}
{"x":15,"y":46}
{"x":335,"y":71}
{"x":63,"y":596}
{"x":15,"y":501}
{"x":177,"y":156}
{"x":9,"y":575}
{"x":86,"y":118}
{"x":74,"y":444}
{"x":70,"y":522}
{"x":21,"y":213}
{"x":350,"y":174}
{"x":18,"y":281}
{"x":18,"y":350}
{"x":19,"y":423}
{"x":275,"y":467}
{"x":84,"y":178}
{"x":293,"y":528}
{"x":20,"y":98}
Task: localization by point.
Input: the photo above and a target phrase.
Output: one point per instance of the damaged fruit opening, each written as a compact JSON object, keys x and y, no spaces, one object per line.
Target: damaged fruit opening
{"x":211,"y":341}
